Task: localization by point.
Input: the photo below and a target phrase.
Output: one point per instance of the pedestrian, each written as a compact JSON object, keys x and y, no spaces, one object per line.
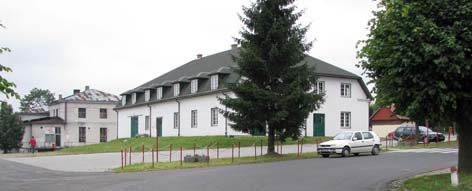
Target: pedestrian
{"x":32,"y":142}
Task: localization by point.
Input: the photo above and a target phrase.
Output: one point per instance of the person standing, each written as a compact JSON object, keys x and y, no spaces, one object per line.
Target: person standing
{"x":32,"y":142}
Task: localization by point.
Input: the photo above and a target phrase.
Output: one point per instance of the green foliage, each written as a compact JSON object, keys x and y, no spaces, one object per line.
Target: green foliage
{"x":6,"y":87}
{"x":275,"y":84}
{"x":418,"y":54}
{"x":11,"y":129}
{"x":437,"y":182}
{"x":37,"y":98}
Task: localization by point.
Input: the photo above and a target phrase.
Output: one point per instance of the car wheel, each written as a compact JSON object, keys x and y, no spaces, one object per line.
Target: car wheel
{"x":375,"y":150}
{"x":356,"y":154}
{"x":325,"y":155}
{"x":346,"y":152}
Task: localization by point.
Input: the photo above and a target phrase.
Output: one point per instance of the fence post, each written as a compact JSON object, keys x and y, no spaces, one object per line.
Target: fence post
{"x":157,"y":152}
{"x":281,"y":148}
{"x":126,"y":156}
{"x":255,"y":152}
{"x":121,"y":159}
{"x":170,"y":153}
{"x":277,"y":146}
{"x":449,"y":135}
{"x":180,"y":156}
{"x":152,"y":153}
{"x":130,"y":153}
{"x":261,"y":148}
{"x":194,"y":148}
{"x":239,"y":150}
{"x":208,"y":154}
{"x":232,"y":153}
{"x":298,"y":148}
{"x":217,"y":151}
{"x":301,"y":148}
{"x":143,"y":152}
{"x":386,"y":143}
{"x":437,"y":138}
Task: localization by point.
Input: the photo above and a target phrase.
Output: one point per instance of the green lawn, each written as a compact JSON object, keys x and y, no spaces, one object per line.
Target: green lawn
{"x":430,"y":145}
{"x":186,"y":142}
{"x":440,"y":182}
{"x":213,"y":162}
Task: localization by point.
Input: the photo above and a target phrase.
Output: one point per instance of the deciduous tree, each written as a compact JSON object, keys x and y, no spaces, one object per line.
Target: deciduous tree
{"x":11,"y":129}
{"x":418,"y":54}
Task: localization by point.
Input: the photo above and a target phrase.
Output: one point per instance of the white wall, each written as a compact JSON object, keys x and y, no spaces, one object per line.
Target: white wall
{"x":357,"y":104}
{"x":92,"y":122}
{"x":202,"y":104}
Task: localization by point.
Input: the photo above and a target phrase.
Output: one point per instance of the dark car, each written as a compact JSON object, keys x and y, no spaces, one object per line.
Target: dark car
{"x":408,"y":132}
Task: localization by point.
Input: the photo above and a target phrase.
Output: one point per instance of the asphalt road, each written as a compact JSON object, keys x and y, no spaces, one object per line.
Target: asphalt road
{"x":324,"y":174}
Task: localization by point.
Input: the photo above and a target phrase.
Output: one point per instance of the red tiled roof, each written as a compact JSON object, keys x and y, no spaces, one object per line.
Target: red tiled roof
{"x":386,"y":114}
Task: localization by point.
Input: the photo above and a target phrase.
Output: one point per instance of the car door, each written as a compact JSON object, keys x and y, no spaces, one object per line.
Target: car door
{"x":369,"y":141}
{"x":399,"y":132}
{"x":357,"y":143}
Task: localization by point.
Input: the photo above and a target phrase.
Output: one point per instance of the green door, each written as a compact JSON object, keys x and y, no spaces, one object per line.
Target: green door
{"x":318,"y":124}
{"x":134,"y":126}
{"x":159,"y":126}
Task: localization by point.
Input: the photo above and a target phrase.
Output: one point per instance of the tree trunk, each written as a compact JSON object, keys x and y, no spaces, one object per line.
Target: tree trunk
{"x":464,"y":131}
{"x":271,"y":141}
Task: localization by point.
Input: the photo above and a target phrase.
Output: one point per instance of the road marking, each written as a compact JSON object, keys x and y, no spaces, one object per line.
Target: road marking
{"x":433,"y":150}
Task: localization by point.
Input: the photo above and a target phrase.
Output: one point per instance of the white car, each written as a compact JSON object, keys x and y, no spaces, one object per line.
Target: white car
{"x":348,"y":142}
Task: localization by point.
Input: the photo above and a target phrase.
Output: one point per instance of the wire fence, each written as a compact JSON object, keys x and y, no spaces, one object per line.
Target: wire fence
{"x":212,"y":152}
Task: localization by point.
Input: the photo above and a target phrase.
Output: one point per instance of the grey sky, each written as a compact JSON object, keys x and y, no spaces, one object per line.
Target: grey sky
{"x":116,"y":45}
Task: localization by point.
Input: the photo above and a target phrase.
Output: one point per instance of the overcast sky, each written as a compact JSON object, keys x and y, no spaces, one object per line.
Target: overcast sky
{"x":116,"y":45}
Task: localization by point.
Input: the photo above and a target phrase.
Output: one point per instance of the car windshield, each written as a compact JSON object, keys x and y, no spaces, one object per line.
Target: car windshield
{"x":424,"y":129}
{"x":343,"y":136}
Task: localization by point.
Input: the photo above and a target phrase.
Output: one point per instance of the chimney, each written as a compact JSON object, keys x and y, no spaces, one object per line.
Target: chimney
{"x":233,"y":46}
{"x":87,"y":88}
{"x":60,"y":96}
{"x":76,"y":91}
{"x":199,"y":56}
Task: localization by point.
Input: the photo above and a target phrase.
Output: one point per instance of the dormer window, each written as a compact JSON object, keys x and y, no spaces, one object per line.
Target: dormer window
{"x":176,"y":89}
{"x":147,"y":95}
{"x":159,"y":93}
{"x":123,"y":100}
{"x":194,"y":86}
{"x":133,"y":98}
{"x":214,"y":82}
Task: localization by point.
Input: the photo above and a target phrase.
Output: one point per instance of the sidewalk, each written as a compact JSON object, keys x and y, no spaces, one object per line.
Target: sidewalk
{"x":101,"y":162}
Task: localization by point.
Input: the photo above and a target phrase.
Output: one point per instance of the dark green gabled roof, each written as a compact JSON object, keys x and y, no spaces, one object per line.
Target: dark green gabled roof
{"x":222,"y":63}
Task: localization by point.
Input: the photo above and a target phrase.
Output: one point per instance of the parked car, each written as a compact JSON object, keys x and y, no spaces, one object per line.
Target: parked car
{"x":408,"y":132}
{"x":348,"y":142}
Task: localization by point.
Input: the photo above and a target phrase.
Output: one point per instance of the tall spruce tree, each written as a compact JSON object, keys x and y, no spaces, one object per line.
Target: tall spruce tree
{"x":11,"y":129}
{"x":274,"y":91}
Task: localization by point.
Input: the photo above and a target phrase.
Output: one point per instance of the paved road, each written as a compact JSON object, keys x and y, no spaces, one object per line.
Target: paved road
{"x":353,"y":173}
{"x":101,"y":162}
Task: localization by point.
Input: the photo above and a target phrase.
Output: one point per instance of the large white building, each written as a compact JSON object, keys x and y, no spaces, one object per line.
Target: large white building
{"x":85,"y":117}
{"x":184,"y":101}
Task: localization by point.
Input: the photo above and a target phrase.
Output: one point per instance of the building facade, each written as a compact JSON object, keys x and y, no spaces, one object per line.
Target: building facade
{"x":85,"y":117}
{"x":385,"y":121}
{"x":184,"y":101}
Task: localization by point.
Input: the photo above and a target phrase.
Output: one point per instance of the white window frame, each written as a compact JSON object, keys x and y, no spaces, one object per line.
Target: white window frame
{"x":176,"y":88}
{"x":159,"y":93}
{"x":345,"y":90}
{"x":320,"y":87}
{"x":147,"y":95}
{"x":123,"y":100}
{"x":176,"y":120}
{"x":214,"y":82}
{"x":345,"y":120}
{"x":133,"y":98}
{"x":214,"y":116}
{"x":146,"y":123}
{"x":193,"y":118}
{"x":194,"y":86}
